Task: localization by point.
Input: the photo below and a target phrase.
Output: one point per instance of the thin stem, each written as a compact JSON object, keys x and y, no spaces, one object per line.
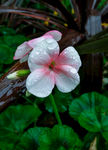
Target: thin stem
{"x":55,"y":109}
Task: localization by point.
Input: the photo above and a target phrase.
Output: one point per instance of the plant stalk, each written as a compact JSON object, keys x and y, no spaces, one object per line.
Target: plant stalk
{"x":55,"y":109}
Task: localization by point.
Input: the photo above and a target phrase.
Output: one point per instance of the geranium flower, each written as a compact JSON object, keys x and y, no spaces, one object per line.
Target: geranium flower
{"x":48,"y":68}
{"x":24,"y":49}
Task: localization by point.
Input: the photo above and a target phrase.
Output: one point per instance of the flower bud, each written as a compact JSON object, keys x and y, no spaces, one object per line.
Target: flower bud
{"x":18,"y":74}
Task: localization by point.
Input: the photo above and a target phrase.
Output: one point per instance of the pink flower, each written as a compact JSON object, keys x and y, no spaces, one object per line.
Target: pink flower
{"x":49,"y":68}
{"x":25,"y":48}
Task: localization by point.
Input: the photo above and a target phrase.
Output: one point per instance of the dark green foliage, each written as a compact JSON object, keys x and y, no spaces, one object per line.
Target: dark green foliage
{"x":30,"y":141}
{"x":9,"y":41}
{"x":14,"y":121}
{"x":59,"y":138}
{"x":62,"y":101}
{"x":91,"y":111}
{"x":101,"y":4}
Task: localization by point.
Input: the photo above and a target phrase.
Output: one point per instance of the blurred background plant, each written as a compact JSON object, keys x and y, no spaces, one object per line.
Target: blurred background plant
{"x":84,"y":24}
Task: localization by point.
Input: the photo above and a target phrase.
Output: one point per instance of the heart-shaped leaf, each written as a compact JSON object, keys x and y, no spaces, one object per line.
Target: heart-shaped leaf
{"x":91,"y":111}
{"x":14,"y":120}
{"x":29,"y":141}
{"x":60,"y":138}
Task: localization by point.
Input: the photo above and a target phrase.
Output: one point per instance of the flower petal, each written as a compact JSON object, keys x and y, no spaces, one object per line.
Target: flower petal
{"x":22,"y":51}
{"x":55,"y":34}
{"x":67,"y":79}
{"x":25,"y":58}
{"x":43,"y":53}
{"x":40,"y":82}
{"x":34,"y":42}
{"x":70,"y":56}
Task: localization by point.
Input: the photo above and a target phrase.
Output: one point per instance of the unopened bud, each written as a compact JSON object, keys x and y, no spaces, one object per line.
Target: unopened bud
{"x":18,"y":74}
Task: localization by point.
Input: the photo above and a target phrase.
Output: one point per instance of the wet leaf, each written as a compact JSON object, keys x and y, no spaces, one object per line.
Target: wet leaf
{"x":29,"y":141}
{"x":14,"y":120}
{"x":91,"y":111}
{"x":60,"y":138}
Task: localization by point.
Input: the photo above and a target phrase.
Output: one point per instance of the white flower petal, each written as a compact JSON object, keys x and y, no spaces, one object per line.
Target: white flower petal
{"x":22,"y":51}
{"x":40,"y":82}
{"x":70,"y":56}
{"x":55,"y":34}
{"x":33,"y":43}
{"x":67,"y":79}
{"x":25,"y":58}
{"x":43,"y":53}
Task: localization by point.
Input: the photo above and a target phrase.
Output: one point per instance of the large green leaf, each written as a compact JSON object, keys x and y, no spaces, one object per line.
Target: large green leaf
{"x":95,"y":46}
{"x":98,"y":43}
{"x":14,"y":120}
{"x":89,"y":120}
{"x":91,"y":111}
{"x":6,"y":146}
{"x":29,"y":141}
{"x":60,"y":138}
{"x":62,"y":101}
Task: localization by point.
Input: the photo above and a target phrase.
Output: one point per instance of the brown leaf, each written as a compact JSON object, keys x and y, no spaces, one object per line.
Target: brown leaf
{"x":93,"y":144}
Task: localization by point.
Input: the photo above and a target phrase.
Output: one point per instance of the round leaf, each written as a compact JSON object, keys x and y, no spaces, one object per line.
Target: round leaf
{"x":88,"y":110}
{"x":60,"y":138}
{"x":29,"y":141}
{"x":15,"y":119}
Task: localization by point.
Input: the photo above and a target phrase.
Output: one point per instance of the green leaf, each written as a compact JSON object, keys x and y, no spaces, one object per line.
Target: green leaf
{"x":88,"y":139}
{"x":91,"y":111}
{"x":104,"y":130}
{"x":98,"y":43}
{"x":101,"y":4}
{"x":29,"y":141}
{"x":5,"y":54}
{"x":8,"y":45}
{"x":62,"y":101}
{"x":7,"y":31}
{"x":6,"y":146}
{"x":60,"y":138}
{"x":15,"y":119}
{"x":14,"y":41}
{"x":94,"y":46}
{"x":88,"y":119}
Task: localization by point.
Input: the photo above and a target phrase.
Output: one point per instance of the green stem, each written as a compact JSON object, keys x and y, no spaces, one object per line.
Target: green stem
{"x":55,"y":109}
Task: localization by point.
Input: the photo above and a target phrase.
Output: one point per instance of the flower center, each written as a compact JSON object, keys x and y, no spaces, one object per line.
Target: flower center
{"x":51,"y":66}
